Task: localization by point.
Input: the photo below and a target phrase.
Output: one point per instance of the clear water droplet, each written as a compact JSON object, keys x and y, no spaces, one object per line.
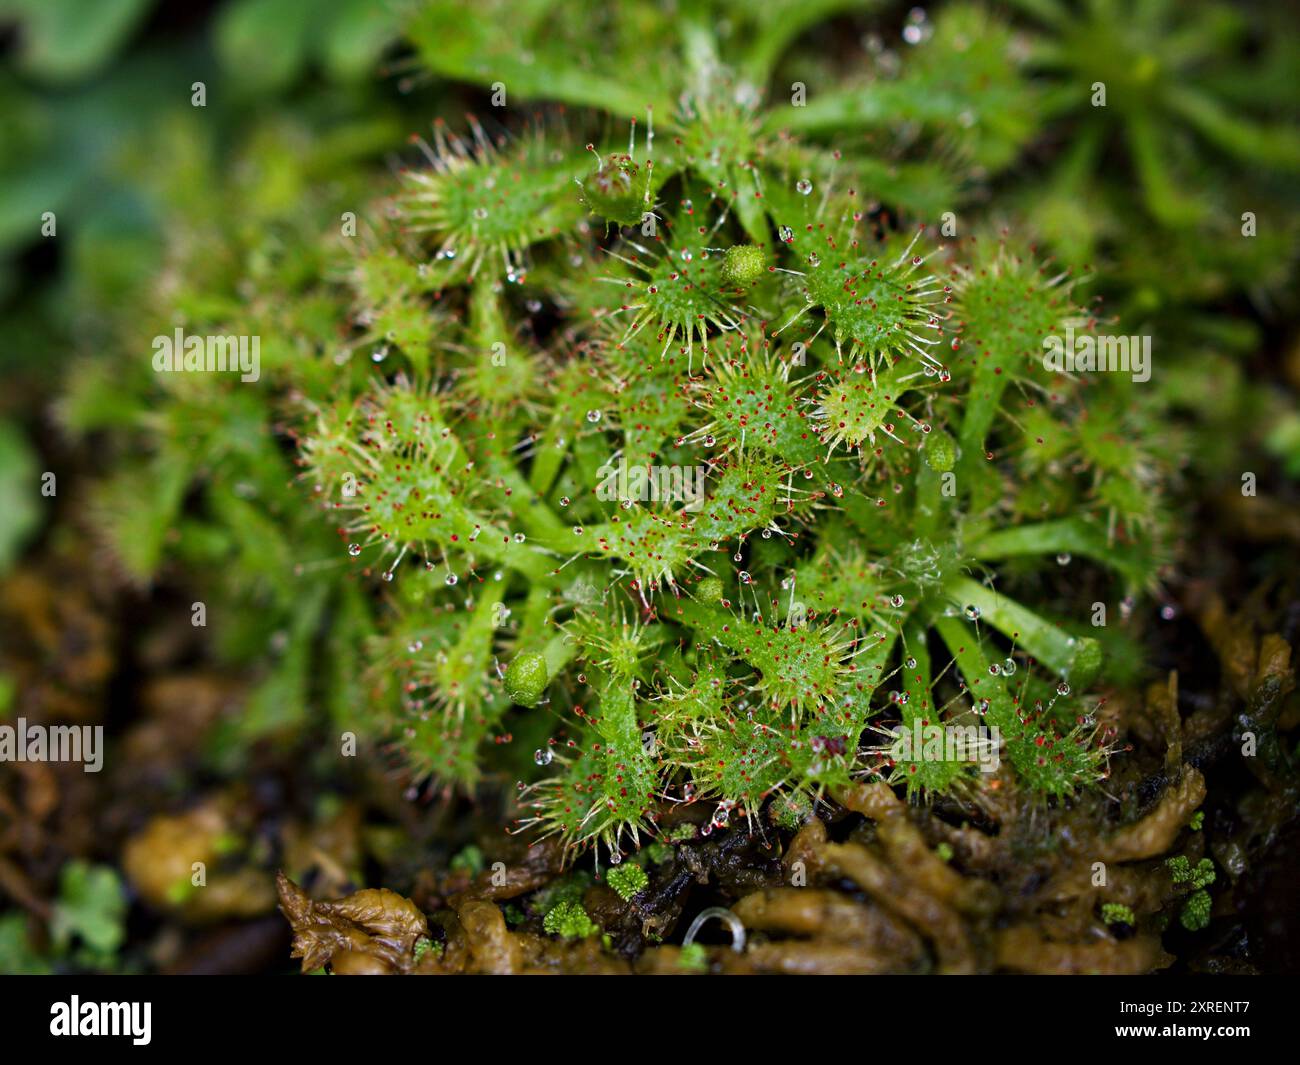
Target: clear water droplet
{"x":354,"y":550}
{"x":803,"y":186}
{"x":543,"y":756}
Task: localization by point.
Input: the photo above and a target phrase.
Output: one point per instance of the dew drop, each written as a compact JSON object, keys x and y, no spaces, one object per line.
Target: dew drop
{"x":803,"y":186}
{"x":543,"y":756}
{"x":354,"y":550}
{"x":972,"y":612}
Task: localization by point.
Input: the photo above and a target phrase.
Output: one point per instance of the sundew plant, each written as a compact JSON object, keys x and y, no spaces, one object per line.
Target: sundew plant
{"x":671,"y":430}
{"x":677,"y":441}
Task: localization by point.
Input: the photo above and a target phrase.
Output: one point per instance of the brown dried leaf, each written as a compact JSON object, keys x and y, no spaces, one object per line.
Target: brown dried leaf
{"x":373,"y":931}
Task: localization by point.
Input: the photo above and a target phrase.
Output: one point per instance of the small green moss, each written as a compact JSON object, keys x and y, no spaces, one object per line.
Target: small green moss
{"x":683,"y":833}
{"x":178,"y":891}
{"x":1196,"y":911}
{"x":526,"y":678}
{"x":944,"y":851}
{"x":425,"y":945}
{"x":569,"y":921}
{"x":514,"y":915}
{"x":470,"y":860}
{"x":744,"y":265}
{"x":693,"y":958}
{"x":1197,"y":821}
{"x":568,"y":888}
{"x":627,"y":880}
{"x":657,"y":853}
{"x":1116,"y":913}
{"x":1183,"y":872}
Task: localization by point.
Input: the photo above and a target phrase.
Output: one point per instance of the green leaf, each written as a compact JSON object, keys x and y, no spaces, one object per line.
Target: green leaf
{"x":19,"y":485}
{"x":17,"y":958}
{"x":354,"y":41}
{"x":66,"y":40}
{"x":263,"y":43}
{"x":91,"y":907}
